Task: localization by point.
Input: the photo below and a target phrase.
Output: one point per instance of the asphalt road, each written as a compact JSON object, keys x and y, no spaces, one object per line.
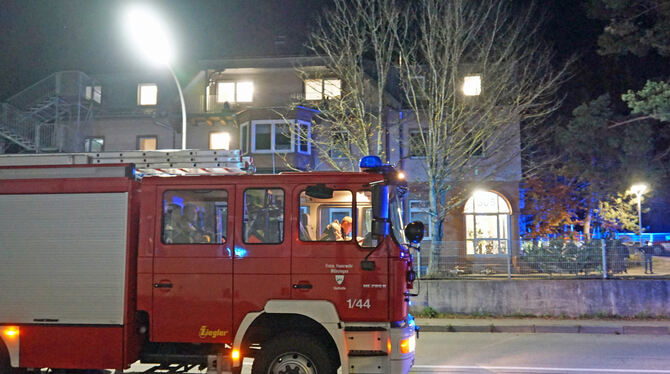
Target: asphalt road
{"x":541,"y":353}
{"x":507,"y":353}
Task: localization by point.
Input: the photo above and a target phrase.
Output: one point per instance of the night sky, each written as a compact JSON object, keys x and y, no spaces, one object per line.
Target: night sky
{"x":40,"y":37}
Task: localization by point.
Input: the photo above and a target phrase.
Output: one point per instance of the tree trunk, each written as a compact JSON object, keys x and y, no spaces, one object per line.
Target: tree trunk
{"x":436,"y":233}
{"x":587,"y":225}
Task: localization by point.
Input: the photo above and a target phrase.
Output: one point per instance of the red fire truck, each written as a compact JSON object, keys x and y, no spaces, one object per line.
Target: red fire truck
{"x":184,"y":259}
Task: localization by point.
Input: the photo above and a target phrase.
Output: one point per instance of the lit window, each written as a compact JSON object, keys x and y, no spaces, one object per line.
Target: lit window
{"x":318,"y":89}
{"x":147,"y":94}
{"x":472,"y":85}
{"x":487,"y":217}
{"x":313,"y":89}
{"x":331,"y":88}
{"x":232,"y":92}
{"x":147,"y":143}
{"x":245,"y":92}
{"x":94,"y":145}
{"x":219,"y":140}
{"x":225,"y":92}
{"x":270,"y":136}
{"x":419,"y":210}
{"x":94,"y":93}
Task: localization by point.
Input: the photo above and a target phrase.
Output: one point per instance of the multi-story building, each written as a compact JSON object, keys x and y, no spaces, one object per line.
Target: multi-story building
{"x":249,"y":104}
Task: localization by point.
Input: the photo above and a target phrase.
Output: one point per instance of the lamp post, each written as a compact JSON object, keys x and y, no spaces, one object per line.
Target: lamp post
{"x":639,"y":189}
{"x":150,"y":38}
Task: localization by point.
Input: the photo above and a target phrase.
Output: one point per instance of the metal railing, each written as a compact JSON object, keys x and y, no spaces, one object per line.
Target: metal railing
{"x":70,"y":84}
{"x":39,"y":118}
{"x":16,"y":124}
{"x":544,"y":259}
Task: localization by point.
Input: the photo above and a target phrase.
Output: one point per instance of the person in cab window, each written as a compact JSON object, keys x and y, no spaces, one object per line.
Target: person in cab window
{"x":190,"y":230}
{"x":170,"y":222}
{"x":333,"y":232}
{"x":305,"y":228}
{"x":347,"y":224}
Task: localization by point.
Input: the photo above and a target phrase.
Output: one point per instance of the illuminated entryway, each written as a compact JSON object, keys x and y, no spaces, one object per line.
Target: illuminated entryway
{"x":487,"y":222}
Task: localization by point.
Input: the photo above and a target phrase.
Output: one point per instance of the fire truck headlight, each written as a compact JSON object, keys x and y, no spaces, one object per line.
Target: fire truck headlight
{"x":10,"y":331}
{"x":408,"y":345}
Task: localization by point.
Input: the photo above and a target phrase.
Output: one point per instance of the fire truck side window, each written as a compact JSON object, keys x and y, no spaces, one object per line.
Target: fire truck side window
{"x":195,"y":216}
{"x":263,"y":216}
{"x":364,"y":221}
{"x":326,"y":220}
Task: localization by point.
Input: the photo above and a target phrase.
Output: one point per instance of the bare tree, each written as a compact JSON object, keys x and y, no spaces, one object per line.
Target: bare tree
{"x":356,"y":39}
{"x":444,"y":41}
{"x":437,"y":43}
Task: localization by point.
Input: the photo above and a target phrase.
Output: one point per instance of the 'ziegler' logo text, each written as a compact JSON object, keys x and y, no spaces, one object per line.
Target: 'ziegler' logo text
{"x":207,"y":333}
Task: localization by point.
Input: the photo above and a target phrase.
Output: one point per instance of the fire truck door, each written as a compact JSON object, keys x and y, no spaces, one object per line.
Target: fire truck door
{"x":192,"y":295}
{"x":332,"y":235}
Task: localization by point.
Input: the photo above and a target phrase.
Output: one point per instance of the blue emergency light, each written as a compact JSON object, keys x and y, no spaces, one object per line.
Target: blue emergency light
{"x":370,"y":162}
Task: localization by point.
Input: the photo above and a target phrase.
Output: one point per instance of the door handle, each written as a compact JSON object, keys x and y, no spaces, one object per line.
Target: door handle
{"x":302,"y":286}
{"x":162,"y":285}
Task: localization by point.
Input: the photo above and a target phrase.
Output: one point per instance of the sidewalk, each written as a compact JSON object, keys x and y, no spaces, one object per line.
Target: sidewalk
{"x":544,"y":325}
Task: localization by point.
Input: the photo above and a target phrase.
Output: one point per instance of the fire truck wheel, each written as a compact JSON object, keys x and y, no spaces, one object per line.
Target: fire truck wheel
{"x":293,"y":354}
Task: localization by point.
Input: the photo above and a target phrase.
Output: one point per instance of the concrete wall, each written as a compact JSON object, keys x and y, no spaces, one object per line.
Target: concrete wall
{"x":625,"y":298}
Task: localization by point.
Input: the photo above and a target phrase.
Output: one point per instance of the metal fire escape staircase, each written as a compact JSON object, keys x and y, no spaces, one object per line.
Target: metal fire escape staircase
{"x":49,"y":115}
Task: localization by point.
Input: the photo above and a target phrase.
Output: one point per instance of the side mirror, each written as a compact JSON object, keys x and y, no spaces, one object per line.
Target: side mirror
{"x":380,"y":202}
{"x":414,"y":231}
{"x":380,"y":228}
{"x":320,"y":191}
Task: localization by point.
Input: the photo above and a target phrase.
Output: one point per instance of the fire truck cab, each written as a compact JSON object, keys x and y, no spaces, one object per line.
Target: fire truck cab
{"x":105,"y":264}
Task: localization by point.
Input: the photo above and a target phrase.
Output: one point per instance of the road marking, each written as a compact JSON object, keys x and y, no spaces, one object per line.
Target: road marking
{"x":437,"y":368}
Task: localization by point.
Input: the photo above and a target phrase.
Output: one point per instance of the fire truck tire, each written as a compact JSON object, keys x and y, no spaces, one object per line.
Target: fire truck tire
{"x":293,"y":354}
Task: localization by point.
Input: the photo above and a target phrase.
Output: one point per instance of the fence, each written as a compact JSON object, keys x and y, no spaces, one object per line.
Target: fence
{"x":542,"y":259}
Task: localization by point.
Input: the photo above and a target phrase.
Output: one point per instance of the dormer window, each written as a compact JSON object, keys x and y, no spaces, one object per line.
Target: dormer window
{"x":319,"y":89}
{"x":235,"y":92}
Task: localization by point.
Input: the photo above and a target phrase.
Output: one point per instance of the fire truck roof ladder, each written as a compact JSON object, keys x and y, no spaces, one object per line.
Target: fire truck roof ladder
{"x":147,"y":163}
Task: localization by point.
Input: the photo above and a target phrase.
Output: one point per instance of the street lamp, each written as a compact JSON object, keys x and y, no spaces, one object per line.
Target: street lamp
{"x":151,"y":39}
{"x":639,"y":189}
